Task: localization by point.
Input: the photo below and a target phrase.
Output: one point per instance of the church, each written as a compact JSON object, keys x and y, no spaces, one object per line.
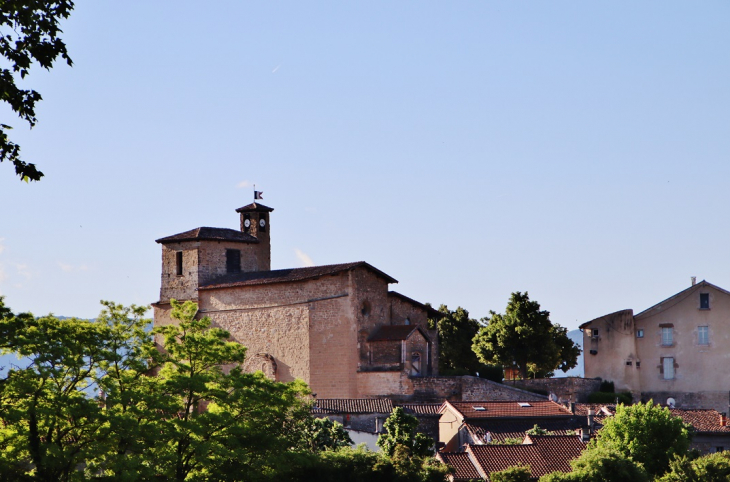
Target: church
{"x":337,"y":327}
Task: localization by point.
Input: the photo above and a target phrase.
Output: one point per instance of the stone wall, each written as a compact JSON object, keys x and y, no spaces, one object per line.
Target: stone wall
{"x":717,"y":400}
{"x":573,"y":389}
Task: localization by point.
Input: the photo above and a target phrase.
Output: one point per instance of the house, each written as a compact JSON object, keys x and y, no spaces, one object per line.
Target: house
{"x":671,"y":352}
{"x":543,"y":454}
{"x":337,"y":327}
{"x":484,"y":422}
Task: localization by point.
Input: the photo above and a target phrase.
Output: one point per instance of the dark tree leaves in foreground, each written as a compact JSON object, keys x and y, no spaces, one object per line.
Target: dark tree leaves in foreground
{"x":400,"y":431}
{"x":525,"y":337}
{"x":29,"y":32}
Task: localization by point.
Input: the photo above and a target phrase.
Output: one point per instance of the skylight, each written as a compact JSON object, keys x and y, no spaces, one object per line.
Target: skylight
{"x":524,"y":404}
{"x":480,"y":409}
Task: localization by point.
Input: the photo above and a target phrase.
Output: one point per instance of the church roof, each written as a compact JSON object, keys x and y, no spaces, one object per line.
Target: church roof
{"x":254,"y":207}
{"x":252,"y":278}
{"x":209,"y":234}
{"x":429,"y":309}
{"x":395,"y":332}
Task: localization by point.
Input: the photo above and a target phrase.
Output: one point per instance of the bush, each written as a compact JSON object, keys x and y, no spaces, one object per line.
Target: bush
{"x":518,"y":473}
{"x":607,"y":387}
{"x":606,"y":397}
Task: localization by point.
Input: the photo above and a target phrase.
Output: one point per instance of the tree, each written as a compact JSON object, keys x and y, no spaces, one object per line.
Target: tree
{"x":324,"y":434}
{"x":400,"y":430}
{"x":710,"y":468}
{"x":600,"y":465}
{"x":518,"y":473}
{"x":455,"y":332}
{"x":647,"y":434}
{"x":29,"y":32}
{"x":525,"y":337}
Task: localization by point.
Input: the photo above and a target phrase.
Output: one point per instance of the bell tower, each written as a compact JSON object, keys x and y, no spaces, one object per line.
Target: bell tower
{"x":255,"y":219}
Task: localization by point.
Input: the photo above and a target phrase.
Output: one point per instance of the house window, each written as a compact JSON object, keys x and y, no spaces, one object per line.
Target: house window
{"x":719,"y":449}
{"x":629,"y":363}
{"x":595,"y":333}
{"x":704,"y":301}
{"x":638,"y":364}
{"x":667,"y":336}
{"x":179,"y":263}
{"x":233,"y":261}
{"x":640,"y":333}
{"x":668,"y":368}
{"x":703,"y":335}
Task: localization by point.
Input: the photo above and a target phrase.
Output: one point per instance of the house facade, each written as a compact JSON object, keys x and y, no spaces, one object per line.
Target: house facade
{"x":674,"y":352}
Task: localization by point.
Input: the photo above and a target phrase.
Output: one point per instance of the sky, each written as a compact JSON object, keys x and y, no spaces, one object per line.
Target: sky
{"x":574,"y":150}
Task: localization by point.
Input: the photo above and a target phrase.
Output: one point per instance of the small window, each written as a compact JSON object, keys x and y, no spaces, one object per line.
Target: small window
{"x":638,"y":364}
{"x":365,"y":308}
{"x":524,"y":404}
{"x":703,"y":335}
{"x":704,"y":301}
{"x":667,"y":336}
{"x":719,"y":449}
{"x":479,"y":409}
{"x":668,"y":368}
{"x":640,"y":333}
{"x":233,"y":261}
{"x":629,"y":363}
{"x":408,"y":321}
{"x":595,"y":333}
{"x":179,"y":263}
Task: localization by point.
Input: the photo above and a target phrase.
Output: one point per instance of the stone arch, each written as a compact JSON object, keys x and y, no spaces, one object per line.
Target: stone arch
{"x":261,"y":362}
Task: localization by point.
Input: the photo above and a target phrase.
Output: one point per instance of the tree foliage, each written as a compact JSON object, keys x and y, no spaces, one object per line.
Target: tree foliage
{"x":29,"y":32}
{"x":400,"y":432}
{"x":455,"y":332}
{"x":100,"y":400}
{"x":710,"y":468}
{"x":517,"y":473}
{"x":525,"y":337}
{"x":600,"y":465}
{"x":647,"y":434}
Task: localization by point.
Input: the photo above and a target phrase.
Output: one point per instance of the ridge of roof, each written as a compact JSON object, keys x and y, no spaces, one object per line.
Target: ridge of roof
{"x":676,"y":296}
{"x":254,"y":207}
{"x":209,"y":234}
{"x":251,"y":278}
{"x":430,"y":309}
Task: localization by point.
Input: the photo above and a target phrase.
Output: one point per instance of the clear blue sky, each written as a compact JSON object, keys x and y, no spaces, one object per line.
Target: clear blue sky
{"x":575,"y":150}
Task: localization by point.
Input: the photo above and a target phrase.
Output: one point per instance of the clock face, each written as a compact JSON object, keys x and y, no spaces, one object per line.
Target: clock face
{"x":247,"y":223}
{"x":262,"y":223}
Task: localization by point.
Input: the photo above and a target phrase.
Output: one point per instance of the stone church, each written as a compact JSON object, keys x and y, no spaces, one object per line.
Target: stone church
{"x":337,"y":327}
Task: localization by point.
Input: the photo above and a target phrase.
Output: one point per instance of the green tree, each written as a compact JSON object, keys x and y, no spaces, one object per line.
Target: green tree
{"x":600,"y":465}
{"x":710,"y":468}
{"x":321,"y":434}
{"x":400,"y":430}
{"x":518,"y":473}
{"x":455,"y":332}
{"x":525,"y":337}
{"x":29,"y":32}
{"x":48,"y":422}
{"x":647,"y":434}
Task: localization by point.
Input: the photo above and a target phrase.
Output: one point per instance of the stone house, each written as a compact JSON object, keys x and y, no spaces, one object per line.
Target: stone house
{"x":672,"y":352}
{"x":337,"y":327}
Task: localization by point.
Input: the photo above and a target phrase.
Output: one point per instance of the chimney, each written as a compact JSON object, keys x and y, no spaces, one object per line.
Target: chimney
{"x":694,"y":280}
{"x":591,"y":413}
{"x":571,"y":407}
{"x":723,"y":420}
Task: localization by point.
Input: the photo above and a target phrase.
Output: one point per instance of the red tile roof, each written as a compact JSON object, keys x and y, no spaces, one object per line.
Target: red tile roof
{"x":703,"y":421}
{"x":469,"y":410}
{"x":289,"y":275}
{"x":421,"y":408}
{"x":209,"y":234}
{"x":543,"y":454}
{"x":352,"y":405}
{"x":461,"y":463}
{"x":395,"y":332}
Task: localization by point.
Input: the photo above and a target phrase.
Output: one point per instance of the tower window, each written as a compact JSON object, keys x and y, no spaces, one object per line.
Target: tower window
{"x":233,"y":261}
{"x":640,"y":333}
{"x":179,"y":263}
{"x":704,"y":301}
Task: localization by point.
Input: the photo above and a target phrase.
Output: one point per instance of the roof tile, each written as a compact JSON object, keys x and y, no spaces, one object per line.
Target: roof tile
{"x":503,"y":409}
{"x":352,"y":405}
{"x":209,"y":234}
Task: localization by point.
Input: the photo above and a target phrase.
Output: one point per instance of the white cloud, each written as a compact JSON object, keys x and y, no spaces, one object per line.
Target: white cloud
{"x":70,"y":268}
{"x":304,"y":258}
{"x":243,"y":184}
{"x":23,"y":270}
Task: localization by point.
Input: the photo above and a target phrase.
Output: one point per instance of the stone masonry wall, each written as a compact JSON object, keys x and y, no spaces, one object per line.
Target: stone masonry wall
{"x":574,"y":389}
{"x":717,"y":400}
